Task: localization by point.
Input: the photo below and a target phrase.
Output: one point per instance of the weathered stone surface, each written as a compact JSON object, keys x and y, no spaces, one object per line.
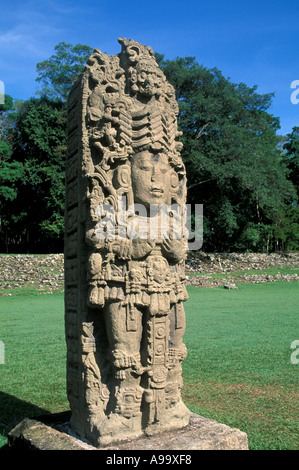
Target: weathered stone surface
{"x":216,"y":263}
{"x":230,"y":286}
{"x":200,"y":434}
{"x":43,"y":273}
{"x":124,"y":249}
{"x":31,"y":434}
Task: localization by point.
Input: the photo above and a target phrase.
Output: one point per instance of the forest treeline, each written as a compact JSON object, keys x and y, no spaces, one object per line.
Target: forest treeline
{"x":244,"y":173}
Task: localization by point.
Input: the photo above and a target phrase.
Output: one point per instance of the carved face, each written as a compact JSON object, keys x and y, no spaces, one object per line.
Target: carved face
{"x":146,"y":81}
{"x":151,"y":178}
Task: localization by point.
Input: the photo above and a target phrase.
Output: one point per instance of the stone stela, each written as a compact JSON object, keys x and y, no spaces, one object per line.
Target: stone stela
{"x":124,"y":293}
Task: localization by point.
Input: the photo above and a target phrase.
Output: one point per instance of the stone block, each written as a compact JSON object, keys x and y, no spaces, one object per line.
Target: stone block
{"x":200,"y":434}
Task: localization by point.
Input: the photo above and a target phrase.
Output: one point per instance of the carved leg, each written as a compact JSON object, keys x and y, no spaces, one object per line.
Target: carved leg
{"x":166,"y":351}
{"x":123,"y":418}
{"x":125,"y":356}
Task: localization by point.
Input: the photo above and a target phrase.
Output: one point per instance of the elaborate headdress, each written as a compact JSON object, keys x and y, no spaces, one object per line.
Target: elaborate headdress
{"x":132,"y":106}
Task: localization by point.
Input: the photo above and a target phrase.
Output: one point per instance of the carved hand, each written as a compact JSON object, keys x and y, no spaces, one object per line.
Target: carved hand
{"x":174,"y":250}
{"x":141,"y":248}
{"x":122,"y":248}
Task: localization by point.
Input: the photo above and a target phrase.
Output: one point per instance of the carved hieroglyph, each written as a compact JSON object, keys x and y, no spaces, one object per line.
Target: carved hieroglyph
{"x":124,"y":260}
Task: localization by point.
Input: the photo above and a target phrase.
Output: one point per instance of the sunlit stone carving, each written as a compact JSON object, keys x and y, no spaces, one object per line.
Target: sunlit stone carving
{"x":124,"y":250}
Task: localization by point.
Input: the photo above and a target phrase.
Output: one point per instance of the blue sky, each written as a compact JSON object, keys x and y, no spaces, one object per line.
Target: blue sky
{"x":255,"y":42}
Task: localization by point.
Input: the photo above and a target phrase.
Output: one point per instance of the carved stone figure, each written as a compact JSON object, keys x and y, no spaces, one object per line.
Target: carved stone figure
{"x":124,"y":250}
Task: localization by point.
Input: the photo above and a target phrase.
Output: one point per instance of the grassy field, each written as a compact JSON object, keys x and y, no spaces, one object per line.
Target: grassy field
{"x":32,"y":379}
{"x":238,"y":370}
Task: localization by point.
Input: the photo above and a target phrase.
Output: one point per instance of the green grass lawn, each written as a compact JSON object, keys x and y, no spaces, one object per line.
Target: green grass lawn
{"x":32,"y":379}
{"x":238,"y":370}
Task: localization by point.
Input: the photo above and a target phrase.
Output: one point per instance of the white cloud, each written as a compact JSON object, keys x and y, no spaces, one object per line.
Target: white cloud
{"x":27,"y":39}
{"x":32,"y":30}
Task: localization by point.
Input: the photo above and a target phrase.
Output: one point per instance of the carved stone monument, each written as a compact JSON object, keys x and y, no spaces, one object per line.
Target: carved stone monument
{"x":124,"y":250}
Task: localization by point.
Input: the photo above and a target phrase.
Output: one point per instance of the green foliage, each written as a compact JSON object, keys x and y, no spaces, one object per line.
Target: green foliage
{"x":292,"y":157}
{"x":58,"y":73}
{"x":7,"y":105}
{"x":231,"y":156}
{"x":286,"y":230}
{"x":10,"y":174}
{"x":5,"y":151}
{"x":37,"y":213}
{"x":245,"y":175}
{"x":7,"y":117}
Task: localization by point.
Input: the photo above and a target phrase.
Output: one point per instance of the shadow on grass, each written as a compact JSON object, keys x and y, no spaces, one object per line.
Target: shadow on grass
{"x":13,"y":410}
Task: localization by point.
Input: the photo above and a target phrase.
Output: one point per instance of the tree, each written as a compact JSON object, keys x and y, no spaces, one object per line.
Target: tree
{"x":234,"y":161}
{"x":40,"y":146}
{"x":32,"y":166}
{"x":291,"y":158}
{"x":230,"y":151}
{"x":58,"y":73}
{"x":7,"y":117}
{"x":10,"y":171}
